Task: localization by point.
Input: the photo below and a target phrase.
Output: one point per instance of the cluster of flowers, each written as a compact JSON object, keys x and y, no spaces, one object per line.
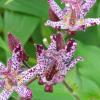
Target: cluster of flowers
{"x":52,"y":63}
{"x":72,"y":17}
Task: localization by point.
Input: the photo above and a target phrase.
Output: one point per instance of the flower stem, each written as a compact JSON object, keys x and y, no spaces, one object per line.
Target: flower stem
{"x":26,"y":65}
{"x":12,"y":98}
{"x":71,"y":90}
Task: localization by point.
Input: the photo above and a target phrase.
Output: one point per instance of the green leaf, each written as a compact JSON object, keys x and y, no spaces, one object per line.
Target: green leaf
{"x":21,"y":25}
{"x":2,"y":3}
{"x":89,"y":90}
{"x":2,"y":56}
{"x":1,"y":24}
{"x":3,"y":45}
{"x":90,"y":67}
{"x":37,"y":35}
{"x":98,"y":14}
{"x":33,"y":7}
{"x":89,"y":37}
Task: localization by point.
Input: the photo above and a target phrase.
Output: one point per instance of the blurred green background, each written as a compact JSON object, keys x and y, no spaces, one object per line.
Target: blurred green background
{"x":25,"y":19}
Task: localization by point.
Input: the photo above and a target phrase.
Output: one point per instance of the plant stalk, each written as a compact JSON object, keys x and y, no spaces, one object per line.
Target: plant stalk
{"x":71,"y":90}
{"x":26,"y":65}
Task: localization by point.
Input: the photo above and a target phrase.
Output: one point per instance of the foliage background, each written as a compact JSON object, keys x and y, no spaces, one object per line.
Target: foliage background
{"x":25,"y":19}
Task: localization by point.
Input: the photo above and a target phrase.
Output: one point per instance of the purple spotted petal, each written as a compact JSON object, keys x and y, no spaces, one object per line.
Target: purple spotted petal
{"x":2,"y":68}
{"x":24,"y":92}
{"x":87,"y":5}
{"x":39,"y":49}
{"x":2,"y":83}
{"x":55,"y":8}
{"x":52,"y":45}
{"x":5,"y":94}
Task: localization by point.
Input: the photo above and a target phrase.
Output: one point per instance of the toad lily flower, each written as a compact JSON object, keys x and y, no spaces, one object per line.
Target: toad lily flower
{"x":59,"y":61}
{"x":9,"y":75}
{"x":72,"y":17}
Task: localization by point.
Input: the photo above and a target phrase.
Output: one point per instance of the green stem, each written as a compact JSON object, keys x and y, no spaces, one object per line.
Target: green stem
{"x":12,"y":98}
{"x":71,"y":90}
{"x":26,"y":65}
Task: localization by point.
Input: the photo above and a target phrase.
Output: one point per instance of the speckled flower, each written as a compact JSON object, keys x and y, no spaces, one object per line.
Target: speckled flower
{"x":59,"y":60}
{"x":9,"y":76}
{"x":72,"y":17}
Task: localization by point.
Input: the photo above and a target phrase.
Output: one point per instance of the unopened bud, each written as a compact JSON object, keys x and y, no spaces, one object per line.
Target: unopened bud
{"x":52,"y":15}
{"x":49,"y":88}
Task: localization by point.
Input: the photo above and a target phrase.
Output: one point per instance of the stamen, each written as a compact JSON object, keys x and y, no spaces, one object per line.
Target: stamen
{"x":72,"y":21}
{"x":50,"y":73}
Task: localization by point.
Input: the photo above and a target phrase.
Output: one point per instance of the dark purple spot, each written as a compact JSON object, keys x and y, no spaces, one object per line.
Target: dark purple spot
{"x":70,"y":44}
{"x":82,"y":27}
{"x":71,"y":32}
{"x":94,"y":24}
{"x":39,"y":49}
